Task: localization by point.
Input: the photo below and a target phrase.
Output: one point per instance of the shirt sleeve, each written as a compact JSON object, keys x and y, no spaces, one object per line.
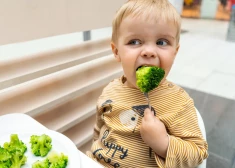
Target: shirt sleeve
{"x":98,"y":123}
{"x":187,"y":147}
{"x":97,"y":127}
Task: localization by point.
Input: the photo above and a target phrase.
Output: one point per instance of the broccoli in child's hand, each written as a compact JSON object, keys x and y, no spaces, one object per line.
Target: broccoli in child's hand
{"x":57,"y":160}
{"x":16,"y":149}
{"x":5,"y":158}
{"x":40,"y":145}
{"x":41,"y":164}
{"x":149,"y":78}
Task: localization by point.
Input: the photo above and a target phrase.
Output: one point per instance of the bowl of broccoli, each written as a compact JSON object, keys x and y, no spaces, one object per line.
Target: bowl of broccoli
{"x":47,"y":149}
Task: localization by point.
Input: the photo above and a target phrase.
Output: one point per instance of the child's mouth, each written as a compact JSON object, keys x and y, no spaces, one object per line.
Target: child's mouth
{"x":144,"y":66}
{"x":138,"y":68}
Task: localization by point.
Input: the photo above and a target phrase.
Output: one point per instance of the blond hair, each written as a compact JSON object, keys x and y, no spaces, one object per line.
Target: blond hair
{"x":148,"y":9}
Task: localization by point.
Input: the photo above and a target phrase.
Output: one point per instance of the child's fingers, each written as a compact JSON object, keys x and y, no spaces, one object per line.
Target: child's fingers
{"x":148,"y":114}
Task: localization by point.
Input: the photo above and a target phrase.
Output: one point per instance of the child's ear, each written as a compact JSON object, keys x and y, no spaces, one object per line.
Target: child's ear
{"x":115,"y":52}
{"x":177,"y":49}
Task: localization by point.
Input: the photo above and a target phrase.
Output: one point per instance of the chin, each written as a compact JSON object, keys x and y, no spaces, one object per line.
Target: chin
{"x":130,"y":84}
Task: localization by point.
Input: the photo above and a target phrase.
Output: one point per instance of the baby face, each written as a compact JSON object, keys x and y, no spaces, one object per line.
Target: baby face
{"x":145,"y":43}
{"x":129,"y":119}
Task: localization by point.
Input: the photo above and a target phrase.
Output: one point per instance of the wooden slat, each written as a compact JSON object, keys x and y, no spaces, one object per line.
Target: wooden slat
{"x":28,"y":67}
{"x":48,"y":92}
{"x":72,"y":112}
{"x":82,"y":132}
{"x":86,"y":146}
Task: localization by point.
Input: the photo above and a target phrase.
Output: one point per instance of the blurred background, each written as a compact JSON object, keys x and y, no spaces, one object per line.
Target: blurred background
{"x":55,"y":59}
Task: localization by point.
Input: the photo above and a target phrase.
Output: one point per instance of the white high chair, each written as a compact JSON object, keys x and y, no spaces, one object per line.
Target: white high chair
{"x":203,"y":130}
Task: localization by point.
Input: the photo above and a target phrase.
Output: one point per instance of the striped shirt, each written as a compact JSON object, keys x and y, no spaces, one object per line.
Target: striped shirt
{"x":117,"y":139}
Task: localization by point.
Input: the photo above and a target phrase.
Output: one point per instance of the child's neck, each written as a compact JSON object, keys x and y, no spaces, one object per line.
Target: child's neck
{"x":126,"y":83}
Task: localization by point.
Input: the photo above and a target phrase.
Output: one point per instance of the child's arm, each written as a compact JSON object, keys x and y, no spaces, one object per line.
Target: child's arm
{"x":185,"y":146}
{"x":98,"y":124}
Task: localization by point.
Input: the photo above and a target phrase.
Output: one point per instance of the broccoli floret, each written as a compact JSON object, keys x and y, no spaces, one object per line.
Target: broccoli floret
{"x":41,"y":164}
{"x":53,"y":160}
{"x":15,"y":145}
{"x":149,"y":78}
{"x":57,"y":160}
{"x":6,"y":164}
{"x":18,"y":159}
{"x":40,"y":145}
{"x":16,"y":149}
{"x":5,"y":158}
{"x":4,"y":154}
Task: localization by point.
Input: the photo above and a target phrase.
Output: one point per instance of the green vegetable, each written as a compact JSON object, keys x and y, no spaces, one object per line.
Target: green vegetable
{"x":53,"y":160}
{"x":40,"y":145}
{"x":16,"y":149}
{"x":5,"y":158}
{"x":149,"y":78}
{"x":57,"y":160}
{"x":18,"y":159}
{"x":41,"y":164}
{"x":15,"y":145}
{"x":6,"y":164}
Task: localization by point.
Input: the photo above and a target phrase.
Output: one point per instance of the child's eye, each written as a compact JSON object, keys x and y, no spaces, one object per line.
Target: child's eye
{"x":134,"y":42}
{"x":162,"y":42}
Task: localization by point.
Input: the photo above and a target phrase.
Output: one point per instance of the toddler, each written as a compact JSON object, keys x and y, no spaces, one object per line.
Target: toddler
{"x":146,"y":33}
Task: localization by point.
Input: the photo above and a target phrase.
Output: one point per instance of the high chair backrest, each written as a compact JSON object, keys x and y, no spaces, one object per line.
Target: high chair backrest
{"x":203,"y":130}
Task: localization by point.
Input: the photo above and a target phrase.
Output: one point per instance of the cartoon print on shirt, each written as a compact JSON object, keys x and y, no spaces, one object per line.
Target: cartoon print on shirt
{"x":140,"y":109}
{"x":107,"y":105}
{"x":107,"y":102}
{"x":130,"y":118}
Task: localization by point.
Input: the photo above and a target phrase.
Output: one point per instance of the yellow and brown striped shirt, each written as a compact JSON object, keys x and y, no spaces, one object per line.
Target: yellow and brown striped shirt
{"x":117,"y":140}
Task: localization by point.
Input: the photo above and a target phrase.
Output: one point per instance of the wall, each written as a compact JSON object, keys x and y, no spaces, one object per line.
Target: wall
{"x":26,"y":20}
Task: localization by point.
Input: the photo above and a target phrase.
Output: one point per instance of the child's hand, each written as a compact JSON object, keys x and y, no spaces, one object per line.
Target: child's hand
{"x":154,"y":134}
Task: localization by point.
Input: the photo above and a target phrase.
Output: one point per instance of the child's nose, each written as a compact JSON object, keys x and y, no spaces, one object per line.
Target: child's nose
{"x":149,"y":51}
